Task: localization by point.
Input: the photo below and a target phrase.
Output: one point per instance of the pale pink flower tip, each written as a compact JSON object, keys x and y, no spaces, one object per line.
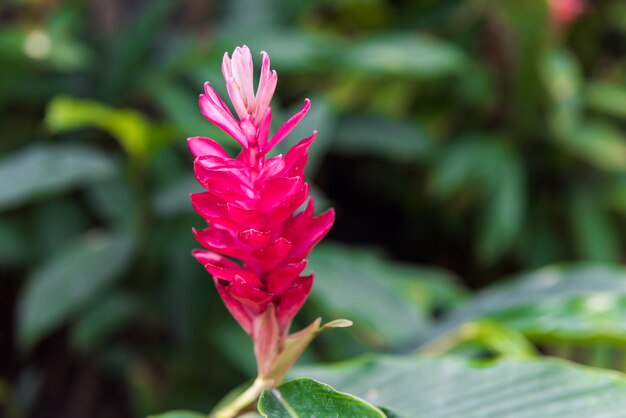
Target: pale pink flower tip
{"x":239,"y":74}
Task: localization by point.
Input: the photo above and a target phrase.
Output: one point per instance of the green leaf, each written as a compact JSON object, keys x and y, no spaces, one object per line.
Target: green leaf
{"x":172,"y":199}
{"x":527,"y":20}
{"x":128,"y":53}
{"x":453,"y":388}
{"x":67,"y":51}
{"x":308,"y":398}
{"x":68,"y":281}
{"x":179,"y":414}
{"x":577,"y":302}
{"x":432,"y":288}
{"x":380,"y":136}
{"x":606,"y":98}
{"x":115,"y":201}
{"x":131,"y":129}
{"x":404,"y":54}
{"x":491,"y":172}
{"x":600,"y":144}
{"x":348,"y":279}
{"x":101,"y":320}
{"x":250,"y":14}
{"x":43,"y":170}
{"x":389,"y":414}
{"x":613,"y":195}
{"x":595,"y":236}
{"x":562,"y":78}
{"x":504,"y":214}
{"x":485,"y":334}
{"x":56,"y":223}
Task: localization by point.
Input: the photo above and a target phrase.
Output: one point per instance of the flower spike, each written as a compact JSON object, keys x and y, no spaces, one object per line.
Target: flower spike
{"x":251,"y":204}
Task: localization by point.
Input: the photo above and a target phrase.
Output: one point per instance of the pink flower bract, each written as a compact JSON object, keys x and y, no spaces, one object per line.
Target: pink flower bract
{"x":259,"y":210}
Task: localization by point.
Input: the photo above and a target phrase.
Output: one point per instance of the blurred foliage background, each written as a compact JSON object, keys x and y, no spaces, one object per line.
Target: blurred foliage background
{"x":460,"y":142}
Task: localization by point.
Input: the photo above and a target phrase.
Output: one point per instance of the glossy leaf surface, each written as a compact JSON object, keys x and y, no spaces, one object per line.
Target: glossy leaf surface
{"x":569,"y":302}
{"x":69,"y":280}
{"x":43,"y":170}
{"x":414,"y":387}
{"x":308,"y":398}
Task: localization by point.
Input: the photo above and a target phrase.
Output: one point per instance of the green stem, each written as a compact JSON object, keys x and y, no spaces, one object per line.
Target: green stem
{"x":242,"y":401}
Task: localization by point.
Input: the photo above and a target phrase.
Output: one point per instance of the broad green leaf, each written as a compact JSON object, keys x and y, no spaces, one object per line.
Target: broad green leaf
{"x":389,"y":414}
{"x":250,"y":14}
{"x":12,"y":48}
{"x":70,"y":279}
{"x":135,"y":133}
{"x":128,"y":52}
{"x":347,"y":280}
{"x":606,"y":98}
{"x":451,"y":388}
{"x":43,"y":170}
{"x":104,"y":317}
{"x":600,"y":144}
{"x":561,"y":75}
{"x":56,"y":222}
{"x":380,"y":136}
{"x":179,"y":414}
{"x":393,"y":97}
{"x":488,"y":170}
{"x":613,"y":195}
{"x":67,"y":53}
{"x":115,"y":201}
{"x":404,"y":54}
{"x":581,"y":302}
{"x":562,"y":79}
{"x":173,"y":198}
{"x":528,"y":20}
{"x":432,"y":288}
{"x":483,"y":334}
{"x":504,"y":214}
{"x":594,"y":234}
{"x":308,"y":398}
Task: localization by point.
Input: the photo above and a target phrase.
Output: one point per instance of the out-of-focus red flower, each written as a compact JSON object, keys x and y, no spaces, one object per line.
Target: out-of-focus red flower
{"x":564,"y":12}
{"x":253,"y":208}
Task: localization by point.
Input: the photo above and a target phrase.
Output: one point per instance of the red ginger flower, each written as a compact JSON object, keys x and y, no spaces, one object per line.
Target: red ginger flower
{"x":251,"y":205}
{"x":565,"y":12}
